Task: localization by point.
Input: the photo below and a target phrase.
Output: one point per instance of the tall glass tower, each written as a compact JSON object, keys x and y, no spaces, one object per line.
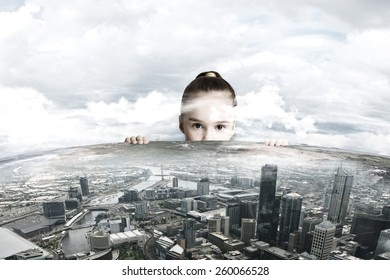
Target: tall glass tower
{"x":289,"y":218}
{"x":189,"y":232}
{"x":268,"y":211}
{"x":340,"y":196}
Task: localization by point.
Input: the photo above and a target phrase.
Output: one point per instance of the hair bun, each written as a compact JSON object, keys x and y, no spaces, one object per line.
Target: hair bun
{"x":210,"y":74}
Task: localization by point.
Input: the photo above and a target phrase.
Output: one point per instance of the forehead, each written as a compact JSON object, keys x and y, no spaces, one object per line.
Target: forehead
{"x":209,"y":106}
{"x":209,"y":98}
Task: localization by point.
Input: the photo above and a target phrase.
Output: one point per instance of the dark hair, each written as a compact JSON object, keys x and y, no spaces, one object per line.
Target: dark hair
{"x":208,"y":81}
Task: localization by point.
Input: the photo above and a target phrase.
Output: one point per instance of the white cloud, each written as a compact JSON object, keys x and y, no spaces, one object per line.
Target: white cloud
{"x":78,"y":72}
{"x":30,"y":122}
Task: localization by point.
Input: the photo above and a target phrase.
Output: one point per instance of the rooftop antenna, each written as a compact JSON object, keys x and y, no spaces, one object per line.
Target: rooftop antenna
{"x":162,"y":172}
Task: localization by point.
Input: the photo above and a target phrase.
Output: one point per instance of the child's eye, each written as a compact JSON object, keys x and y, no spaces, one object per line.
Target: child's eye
{"x":197,"y":125}
{"x":220,"y":127}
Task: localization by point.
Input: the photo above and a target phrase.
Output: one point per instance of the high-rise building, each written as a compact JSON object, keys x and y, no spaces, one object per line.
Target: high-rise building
{"x":189,"y":232}
{"x":289,"y":218}
{"x":248,"y":230}
{"x":367,"y":227}
{"x":225,"y":225}
{"x":75,"y":192}
{"x":383,"y":244}
{"x":84,"y":185}
{"x":175,"y":182}
{"x":248,"y":209}
{"x":323,"y":240}
{"x":214,"y":223}
{"x":308,"y":226}
{"x":130,"y":195}
{"x":293,"y":242}
{"x":338,"y":206}
{"x":203,"y":187}
{"x":233,"y":212}
{"x":268,"y":211}
{"x":141,"y":210}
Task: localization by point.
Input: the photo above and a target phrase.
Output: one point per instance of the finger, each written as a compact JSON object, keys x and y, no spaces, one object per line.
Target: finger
{"x":133,"y":140}
{"x":272,"y":142}
{"x":267,"y":142}
{"x":146,"y":140}
{"x":127,"y":140}
{"x":278,"y":142}
{"x":139,"y":138}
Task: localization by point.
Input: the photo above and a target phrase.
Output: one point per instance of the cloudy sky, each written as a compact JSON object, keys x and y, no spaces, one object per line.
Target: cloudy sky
{"x":95,"y":71}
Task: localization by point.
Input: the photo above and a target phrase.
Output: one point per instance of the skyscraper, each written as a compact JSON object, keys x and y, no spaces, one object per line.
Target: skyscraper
{"x":268,"y":211}
{"x":248,"y":228}
{"x":225,"y":225}
{"x":175,"y":182}
{"x":290,"y":215}
{"x":233,"y":212}
{"x":323,"y":240}
{"x":203,"y":186}
{"x":340,"y":196}
{"x":84,"y":185}
{"x":367,"y":227}
{"x":248,"y":209}
{"x":189,"y":232}
{"x":308,"y":226}
{"x":214,"y":223}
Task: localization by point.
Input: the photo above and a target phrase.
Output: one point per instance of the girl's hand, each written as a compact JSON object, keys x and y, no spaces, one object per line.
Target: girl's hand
{"x":137,"y":140}
{"x":276,"y":142}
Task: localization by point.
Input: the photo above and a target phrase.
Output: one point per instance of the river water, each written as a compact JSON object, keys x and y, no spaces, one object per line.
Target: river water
{"x":75,"y":241}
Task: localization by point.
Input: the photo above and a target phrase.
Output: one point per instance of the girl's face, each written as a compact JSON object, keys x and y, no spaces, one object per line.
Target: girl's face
{"x":208,"y":116}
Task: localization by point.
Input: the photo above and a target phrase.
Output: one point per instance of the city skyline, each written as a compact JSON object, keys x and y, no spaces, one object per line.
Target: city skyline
{"x":149,"y":210}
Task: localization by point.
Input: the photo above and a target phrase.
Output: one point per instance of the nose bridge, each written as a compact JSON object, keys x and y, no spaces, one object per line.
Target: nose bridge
{"x":208,"y":134}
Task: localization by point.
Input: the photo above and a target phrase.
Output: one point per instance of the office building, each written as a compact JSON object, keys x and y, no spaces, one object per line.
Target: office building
{"x":175,"y":182}
{"x":54,"y":209}
{"x":268,"y":211}
{"x":210,"y":202}
{"x":218,"y":239}
{"x":248,"y":209}
{"x":338,"y":206}
{"x":248,"y":230}
{"x":150,"y":194}
{"x":225,"y":225}
{"x":214,"y":223}
{"x":141,"y":210}
{"x":84,"y":185}
{"x":305,"y":241}
{"x":383,"y":244}
{"x":293,"y":241}
{"x":129,"y":195}
{"x":203,"y":187}
{"x":367,"y":227}
{"x":175,"y":253}
{"x":189,"y":232}
{"x":289,"y":218}
{"x":323,"y":240}
{"x":75,"y":192}
{"x":233,"y":212}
